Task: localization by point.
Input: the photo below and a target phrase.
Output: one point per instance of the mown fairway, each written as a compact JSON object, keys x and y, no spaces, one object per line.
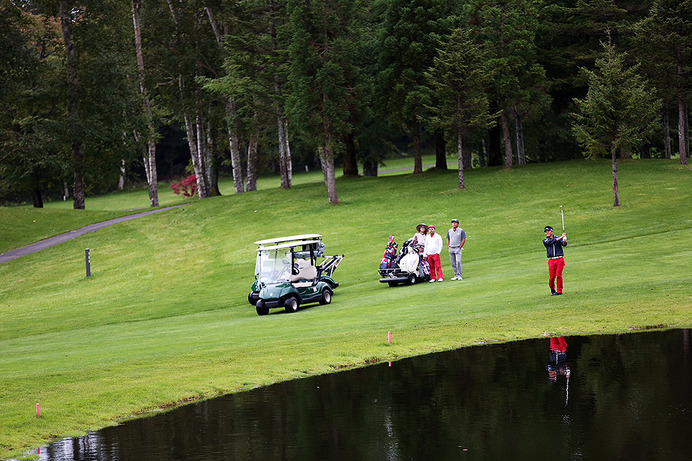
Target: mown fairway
{"x":164,"y":318}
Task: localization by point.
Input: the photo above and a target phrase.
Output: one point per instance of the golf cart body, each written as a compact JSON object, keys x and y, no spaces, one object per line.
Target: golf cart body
{"x":405,"y":267}
{"x":292,"y":271}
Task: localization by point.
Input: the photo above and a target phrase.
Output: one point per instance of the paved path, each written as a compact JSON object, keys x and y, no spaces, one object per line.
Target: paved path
{"x":49,"y":242}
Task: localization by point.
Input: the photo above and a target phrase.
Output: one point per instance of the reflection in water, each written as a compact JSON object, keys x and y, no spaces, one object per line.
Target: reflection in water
{"x":557,"y":366}
{"x":629,"y":398}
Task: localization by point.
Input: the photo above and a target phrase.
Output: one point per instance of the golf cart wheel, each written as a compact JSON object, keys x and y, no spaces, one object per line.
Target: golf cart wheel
{"x":326,"y":296}
{"x":412,"y":279}
{"x":261,"y":308}
{"x":291,"y":304}
{"x":392,"y":284}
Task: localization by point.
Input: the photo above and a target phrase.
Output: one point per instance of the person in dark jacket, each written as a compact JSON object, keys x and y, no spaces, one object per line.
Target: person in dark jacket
{"x":556,"y":259}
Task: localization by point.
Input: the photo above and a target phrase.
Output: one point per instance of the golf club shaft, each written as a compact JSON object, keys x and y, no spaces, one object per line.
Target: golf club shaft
{"x":562,"y":212}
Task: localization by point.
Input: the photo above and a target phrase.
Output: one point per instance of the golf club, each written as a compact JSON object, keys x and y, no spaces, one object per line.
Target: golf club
{"x":563,"y":219}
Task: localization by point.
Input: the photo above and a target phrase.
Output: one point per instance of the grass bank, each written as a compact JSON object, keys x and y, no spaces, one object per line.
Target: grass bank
{"x":164,"y":318}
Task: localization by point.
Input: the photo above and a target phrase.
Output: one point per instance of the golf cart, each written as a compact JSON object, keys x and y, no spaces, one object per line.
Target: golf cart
{"x":287,"y":273}
{"x":406,"y":267}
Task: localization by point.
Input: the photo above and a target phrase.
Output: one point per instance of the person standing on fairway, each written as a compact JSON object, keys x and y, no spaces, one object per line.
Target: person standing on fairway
{"x":433,"y":248}
{"x":456,"y":237}
{"x":556,"y":259}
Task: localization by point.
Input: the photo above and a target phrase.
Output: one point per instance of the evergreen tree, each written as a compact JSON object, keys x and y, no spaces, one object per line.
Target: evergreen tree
{"x":459,"y":77}
{"x":665,"y":42}
{"x":320,"y":74}
{"x":410,"y":38}
{"x":618,"y":112}
{"x":507,"y":28}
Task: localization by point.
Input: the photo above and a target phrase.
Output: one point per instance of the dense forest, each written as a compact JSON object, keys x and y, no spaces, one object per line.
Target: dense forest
{"x":98,"y":94}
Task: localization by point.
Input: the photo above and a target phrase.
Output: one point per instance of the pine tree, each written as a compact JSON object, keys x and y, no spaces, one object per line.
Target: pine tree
{"x":618,"y":112}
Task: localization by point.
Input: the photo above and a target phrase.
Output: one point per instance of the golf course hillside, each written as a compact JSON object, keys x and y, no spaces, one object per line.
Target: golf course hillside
{"x":164,"y":318}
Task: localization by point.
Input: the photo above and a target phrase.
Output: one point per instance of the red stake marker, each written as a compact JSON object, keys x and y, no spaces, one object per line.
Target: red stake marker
{"x":38,"y":410}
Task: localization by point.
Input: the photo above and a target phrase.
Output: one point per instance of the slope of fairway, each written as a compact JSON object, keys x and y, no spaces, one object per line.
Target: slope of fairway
{"x":164,"y":319}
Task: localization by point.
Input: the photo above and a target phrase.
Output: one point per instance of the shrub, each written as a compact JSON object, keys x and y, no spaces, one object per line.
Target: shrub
{"x":187,"y":187}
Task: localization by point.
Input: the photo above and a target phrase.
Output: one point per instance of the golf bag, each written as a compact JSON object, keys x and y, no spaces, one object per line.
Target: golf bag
{"x":390,"y":254}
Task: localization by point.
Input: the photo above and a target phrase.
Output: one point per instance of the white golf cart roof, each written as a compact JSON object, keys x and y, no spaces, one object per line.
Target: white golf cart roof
{"x":288,"y":245}
{"x":296,"y":238}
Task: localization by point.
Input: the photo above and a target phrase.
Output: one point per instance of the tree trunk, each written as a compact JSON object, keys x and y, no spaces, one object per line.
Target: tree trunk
{"x":440,"y":150}
{"x":284,"y":153}
{"x":194,"y":131}
{"x":121,"y":178}
{"x":150,"y":158}
{"x":666,"y":133}
{"x":37,"y":198}
{"x":482,"y":154}
{"x":327,"y":161}
{"x":616,"y":194}
{"x":494,"y":147}
{"x":683,"y":136}
{"x":234,"y":145}
{"x":79,"y":192}
{"x":507,"y":140}
{"x":212,"y":161}
{"x":370,"y":168}
{"x":519,"y":133}
{"x":417,"y":152}
{"x":460,"y":155}
{"x":350,"y":167}
{"x":251,"y":185}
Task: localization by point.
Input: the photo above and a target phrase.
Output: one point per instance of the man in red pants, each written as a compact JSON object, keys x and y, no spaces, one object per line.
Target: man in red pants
{"x":433,"y":247}
{"x":556,"y":259}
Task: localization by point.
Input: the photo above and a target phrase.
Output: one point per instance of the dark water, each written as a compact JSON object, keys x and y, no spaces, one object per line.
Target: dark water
{"x":628,"y":397}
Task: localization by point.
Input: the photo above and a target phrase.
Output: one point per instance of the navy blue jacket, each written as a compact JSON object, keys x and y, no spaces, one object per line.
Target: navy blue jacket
{"x":554,"y":247}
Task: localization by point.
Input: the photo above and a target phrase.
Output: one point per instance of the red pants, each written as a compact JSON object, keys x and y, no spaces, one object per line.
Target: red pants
{"x":555,"y":267}
{"x":435,"y":267}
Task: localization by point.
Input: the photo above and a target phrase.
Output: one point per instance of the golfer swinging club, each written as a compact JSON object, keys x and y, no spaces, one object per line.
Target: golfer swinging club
{"x":556,"y":259}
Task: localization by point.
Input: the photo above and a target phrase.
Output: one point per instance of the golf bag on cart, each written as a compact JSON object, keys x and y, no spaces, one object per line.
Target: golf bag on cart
{"x":406,"y":267}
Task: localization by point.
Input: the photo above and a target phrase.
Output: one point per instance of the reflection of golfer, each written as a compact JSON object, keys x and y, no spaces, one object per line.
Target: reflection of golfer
{"x":558,"y":358}
{"x":556,"y":259}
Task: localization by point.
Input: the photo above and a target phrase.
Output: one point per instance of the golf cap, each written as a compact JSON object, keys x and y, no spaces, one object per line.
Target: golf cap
{"x":431,"y":226}
{"x":547,"y":228}
{"x":455,"y":220}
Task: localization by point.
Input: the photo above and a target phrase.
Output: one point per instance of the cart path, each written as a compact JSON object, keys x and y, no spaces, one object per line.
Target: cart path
{"x":49,"y":242}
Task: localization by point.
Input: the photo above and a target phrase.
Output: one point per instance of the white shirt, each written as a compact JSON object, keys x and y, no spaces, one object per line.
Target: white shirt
{"x":433,"y":244}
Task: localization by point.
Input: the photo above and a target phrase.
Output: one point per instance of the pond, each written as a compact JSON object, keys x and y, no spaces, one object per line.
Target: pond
{"x":606,"y":397}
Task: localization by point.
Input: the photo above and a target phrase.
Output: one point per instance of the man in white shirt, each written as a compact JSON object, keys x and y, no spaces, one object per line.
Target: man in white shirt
{"x":433,"y":248}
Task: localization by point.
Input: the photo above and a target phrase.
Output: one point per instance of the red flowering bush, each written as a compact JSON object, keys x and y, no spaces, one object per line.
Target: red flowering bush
{"x":187,"y":187}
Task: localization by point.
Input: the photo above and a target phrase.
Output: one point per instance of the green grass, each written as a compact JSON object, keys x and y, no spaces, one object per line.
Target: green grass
{"x":164,"y":319}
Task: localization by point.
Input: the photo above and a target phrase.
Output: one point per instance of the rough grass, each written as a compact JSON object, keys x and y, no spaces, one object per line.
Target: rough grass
{"x":164,"y":319}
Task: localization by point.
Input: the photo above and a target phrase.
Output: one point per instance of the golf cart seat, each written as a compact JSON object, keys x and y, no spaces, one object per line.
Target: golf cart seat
{"x":306,"y":275}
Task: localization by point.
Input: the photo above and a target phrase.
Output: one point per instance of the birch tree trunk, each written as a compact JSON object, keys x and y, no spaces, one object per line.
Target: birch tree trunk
{"x":234,"y":144}
{"x":507,"y":140}
{"x":79,"y":192}
{"x":519,"y":132}
{"x":150,"y":158}
{"x":252,"y":163}
{"x":327,"y":162}
{"x":284,"y":152}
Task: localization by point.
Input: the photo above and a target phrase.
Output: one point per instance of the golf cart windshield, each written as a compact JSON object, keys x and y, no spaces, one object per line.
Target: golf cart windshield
{"x":274,"y":265}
